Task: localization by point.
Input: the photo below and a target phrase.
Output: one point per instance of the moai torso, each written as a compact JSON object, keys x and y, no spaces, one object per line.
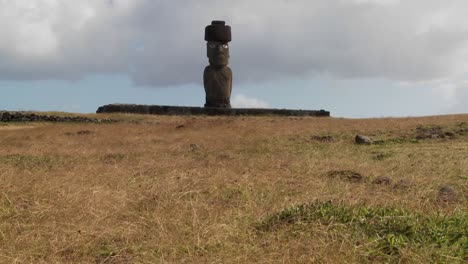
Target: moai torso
{"x":218,"y":86}
{"x":217,"y":77}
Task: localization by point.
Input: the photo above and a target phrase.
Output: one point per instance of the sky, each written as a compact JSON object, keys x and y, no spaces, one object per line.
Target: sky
{"x":354,"y":58}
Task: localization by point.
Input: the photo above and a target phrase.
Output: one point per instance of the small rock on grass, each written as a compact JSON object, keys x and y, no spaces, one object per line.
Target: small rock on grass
{"x":363,"y":140}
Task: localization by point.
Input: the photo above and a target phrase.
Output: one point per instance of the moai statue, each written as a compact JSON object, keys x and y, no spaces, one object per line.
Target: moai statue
{"x":217,"y":77}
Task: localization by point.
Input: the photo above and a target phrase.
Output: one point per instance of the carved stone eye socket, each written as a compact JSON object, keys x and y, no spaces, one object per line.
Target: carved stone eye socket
{"x":215,"y":45}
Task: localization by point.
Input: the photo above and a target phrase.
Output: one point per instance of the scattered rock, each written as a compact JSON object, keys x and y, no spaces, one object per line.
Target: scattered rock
{"x":429,"y":129}
{"x":80,"y":133}
{"x":363,"y":140}
{"x":382,"y":180}
{"x":462,"y":131}
{"x":450,"y":134}
{"x":403,"y":184}
{"x":329,"y":139}
{"x":84,"y":132}
{"x":180,"y":126}
{"x":447,"y":194}
{"x":351,"y":176}
{"x":433,"y":132}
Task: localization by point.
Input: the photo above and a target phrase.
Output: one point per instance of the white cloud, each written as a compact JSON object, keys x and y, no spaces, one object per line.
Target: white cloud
{"x":61,"y":39}
{"x":27,"y":27}
{"x":242,"y":101}
{"x":160,"y":42}
{"x":377,"y":2}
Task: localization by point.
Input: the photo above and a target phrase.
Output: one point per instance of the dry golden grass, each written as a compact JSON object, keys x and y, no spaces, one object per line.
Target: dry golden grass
{"x":160,"y":189}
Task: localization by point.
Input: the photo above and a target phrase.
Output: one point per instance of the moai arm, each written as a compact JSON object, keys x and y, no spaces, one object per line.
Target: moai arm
{"x":205,"y":79}
{"x":230,"y":84}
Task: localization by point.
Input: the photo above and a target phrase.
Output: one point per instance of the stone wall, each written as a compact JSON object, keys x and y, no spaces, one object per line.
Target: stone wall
{"x":31,"y":117}
{"x":182,"y":110}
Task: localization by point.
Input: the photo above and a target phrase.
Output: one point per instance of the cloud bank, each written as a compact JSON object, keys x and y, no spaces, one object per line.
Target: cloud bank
{"x":243,"y":101}
{"x":159,"y":43}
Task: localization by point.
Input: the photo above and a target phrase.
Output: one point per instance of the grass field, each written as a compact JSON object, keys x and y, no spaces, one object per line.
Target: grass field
{"x":162,"y":189}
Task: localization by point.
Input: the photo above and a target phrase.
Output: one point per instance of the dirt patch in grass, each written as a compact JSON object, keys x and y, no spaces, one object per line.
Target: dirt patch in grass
{"x":382,"y":180}
{"x":347,"y":175}
{"x":447,"y":195}
{"x":327,"y":139}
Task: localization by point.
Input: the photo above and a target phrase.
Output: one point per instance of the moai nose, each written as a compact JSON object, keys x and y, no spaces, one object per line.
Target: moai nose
{"x":220,"y":47}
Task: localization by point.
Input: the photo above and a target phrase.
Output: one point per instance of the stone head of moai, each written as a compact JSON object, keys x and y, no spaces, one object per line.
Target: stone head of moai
{"x":217,"y":77}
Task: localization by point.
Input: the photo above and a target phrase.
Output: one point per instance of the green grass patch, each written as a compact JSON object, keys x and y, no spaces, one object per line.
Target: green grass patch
{"x":390,"y":231}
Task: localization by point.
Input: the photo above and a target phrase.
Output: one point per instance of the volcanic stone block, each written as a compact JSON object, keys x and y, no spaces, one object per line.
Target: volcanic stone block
{"x":183,"y":110}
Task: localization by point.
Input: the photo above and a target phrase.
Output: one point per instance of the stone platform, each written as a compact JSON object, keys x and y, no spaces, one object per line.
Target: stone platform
{"x":185,"y":110}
